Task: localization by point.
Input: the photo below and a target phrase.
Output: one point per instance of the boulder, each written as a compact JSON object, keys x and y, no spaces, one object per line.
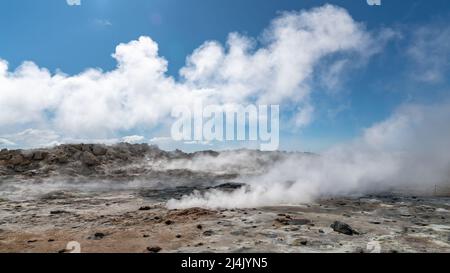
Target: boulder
{"x":343,"y":228}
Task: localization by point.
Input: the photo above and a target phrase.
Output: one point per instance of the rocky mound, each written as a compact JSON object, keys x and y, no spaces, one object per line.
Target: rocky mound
{"x":85,"y":158}
{"x":128,"y":161}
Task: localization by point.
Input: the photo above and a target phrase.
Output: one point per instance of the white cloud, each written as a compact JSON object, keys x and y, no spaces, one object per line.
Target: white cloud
{"x":31,"y":138}
{"x":133,"y":139}
{"x":430,"y":52}
{"x":278,"y":71}
{"x":99,"y":104}
{"x":73,"y":2}
{"x":6,"y":143}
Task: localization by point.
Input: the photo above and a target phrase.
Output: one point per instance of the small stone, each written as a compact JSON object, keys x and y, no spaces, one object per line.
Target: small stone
{"x":98,"y":236}
{"x":199,"y":226}
{"x":53,"y":212}
{"x":178,"y":236}
{"x":208,"y":233}
{"x":300,"y":242}
{"x":169,"y":222}
{"x":154,"y":249}
{"x":239,"y":233}
{"x":299,"y":222}
{"x":145,"y":208}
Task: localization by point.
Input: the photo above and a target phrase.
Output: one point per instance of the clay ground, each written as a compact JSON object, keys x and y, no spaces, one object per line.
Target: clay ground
{"x":126,"y":221}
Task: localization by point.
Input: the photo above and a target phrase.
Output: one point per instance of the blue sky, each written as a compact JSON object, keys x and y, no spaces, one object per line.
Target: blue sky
{"x":71,"y":39}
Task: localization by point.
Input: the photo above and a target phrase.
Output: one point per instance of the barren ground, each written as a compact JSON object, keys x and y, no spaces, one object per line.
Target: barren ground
{"x":37,"y":218}
{"x":128,"y":222}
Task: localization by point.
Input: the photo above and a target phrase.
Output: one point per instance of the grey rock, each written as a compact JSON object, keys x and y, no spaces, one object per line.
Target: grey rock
{"x":343,"y":228}
{"x":208,"y":233}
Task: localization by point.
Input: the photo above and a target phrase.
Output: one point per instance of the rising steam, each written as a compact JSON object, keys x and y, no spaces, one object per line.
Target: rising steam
{"x":410,"y":151}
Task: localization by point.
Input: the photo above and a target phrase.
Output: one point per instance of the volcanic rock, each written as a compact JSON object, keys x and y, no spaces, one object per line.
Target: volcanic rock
{"x":343,"y":228}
